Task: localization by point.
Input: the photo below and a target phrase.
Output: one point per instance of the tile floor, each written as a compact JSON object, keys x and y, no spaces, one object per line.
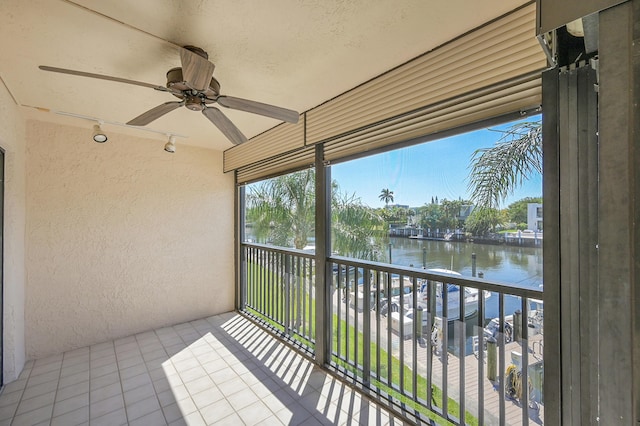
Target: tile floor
{"x":219,"y":370}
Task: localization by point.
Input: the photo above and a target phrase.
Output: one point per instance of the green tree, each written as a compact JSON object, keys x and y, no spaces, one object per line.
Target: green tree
{"x":517,"y":211}
{"x":393,"y":215}
{"x":411,"y":213}
{"x":282,"y":212}
{"x":282,"y":209}
{"x":496,"y":171}
{"x":386,"y":196}
{"x":356,"y":229}
{"x":483,"y":221}
{"x":451,"y":213}
{"x":430,"y":216}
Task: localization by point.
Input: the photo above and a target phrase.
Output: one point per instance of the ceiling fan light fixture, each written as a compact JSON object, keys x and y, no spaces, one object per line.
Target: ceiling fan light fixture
{"x":98,"y":135}
{"x":171,"y":145}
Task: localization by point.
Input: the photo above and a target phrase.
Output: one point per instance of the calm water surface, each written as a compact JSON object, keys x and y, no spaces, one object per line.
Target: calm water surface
{"x":507,"y":264}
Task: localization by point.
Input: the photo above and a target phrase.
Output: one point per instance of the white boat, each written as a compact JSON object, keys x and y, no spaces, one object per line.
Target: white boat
{"x":471,"y":298}
{"x":535,"y":322}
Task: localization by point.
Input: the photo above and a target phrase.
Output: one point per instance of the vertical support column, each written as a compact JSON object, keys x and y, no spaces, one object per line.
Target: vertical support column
{"x":587,"y":125}
{"x":617,"y":221}
{"x":570,"y":216}
{"x":635,"y":233}
{"x":551,"y":246}
{"x":240,"y":258}
{"x":570,"y":274}
{"x":323,"y":251}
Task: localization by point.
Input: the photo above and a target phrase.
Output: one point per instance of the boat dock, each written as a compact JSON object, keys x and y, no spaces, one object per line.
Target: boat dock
{"x":470,"y":364}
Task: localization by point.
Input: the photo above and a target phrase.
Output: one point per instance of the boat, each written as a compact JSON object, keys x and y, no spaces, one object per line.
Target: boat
{"x":452,"y":296}
{"x":535,"y":322}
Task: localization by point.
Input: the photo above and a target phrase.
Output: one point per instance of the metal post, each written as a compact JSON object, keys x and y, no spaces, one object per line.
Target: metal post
{"x":473,"y":265}
{"x":517,"y":325}
{"x":492,"y":359}
{"x":240,"y":254}
{"x":366,"y":326}
{"x":323,"y":251}
{"x":424,"y":258}
{"x":390,"y":245}
{"x":287,"y":294}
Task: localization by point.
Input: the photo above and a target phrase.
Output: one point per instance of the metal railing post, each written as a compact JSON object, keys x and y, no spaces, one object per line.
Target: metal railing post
{"x":240,"y":254}
{"x":323,"y":251}
{"x":366,"y":326}
{"x":287,"y":294}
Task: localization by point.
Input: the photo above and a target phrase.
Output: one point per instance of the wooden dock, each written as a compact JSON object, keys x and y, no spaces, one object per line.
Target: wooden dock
{"x":490,"y":404}
{"x":475,"y":383}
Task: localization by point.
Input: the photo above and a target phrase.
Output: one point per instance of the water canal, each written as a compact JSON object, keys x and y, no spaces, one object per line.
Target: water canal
{"x":503,"y":263}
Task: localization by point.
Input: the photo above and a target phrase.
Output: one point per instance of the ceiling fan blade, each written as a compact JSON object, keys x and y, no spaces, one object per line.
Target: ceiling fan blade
{"x":267,"y":110}
{"x":196,"y":70}
{"x":103,"y":77}
{"x":225,"y":125}
{"x":154,"y":113}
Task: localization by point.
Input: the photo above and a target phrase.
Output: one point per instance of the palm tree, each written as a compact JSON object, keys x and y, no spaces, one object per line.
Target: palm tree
{"x":356,"y":229}
{"x":483,"y":221}
{"x":386,"y":196}
{"x":282,"y":211}
{"x":497,"y":171}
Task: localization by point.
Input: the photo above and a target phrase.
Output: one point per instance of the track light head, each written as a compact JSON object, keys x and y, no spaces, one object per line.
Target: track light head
{"x":98,"y":135}
{"x":170,"y":146}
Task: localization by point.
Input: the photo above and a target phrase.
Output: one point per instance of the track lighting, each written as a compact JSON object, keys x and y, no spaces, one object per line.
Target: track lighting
{"x":170,"y":146}
{"x":98,"y":135}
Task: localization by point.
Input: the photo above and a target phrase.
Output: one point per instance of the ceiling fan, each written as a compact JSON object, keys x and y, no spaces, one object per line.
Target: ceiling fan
{"x":197,"y":89}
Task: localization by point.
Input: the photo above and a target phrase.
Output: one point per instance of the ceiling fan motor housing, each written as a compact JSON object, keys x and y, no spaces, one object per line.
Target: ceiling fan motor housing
{"x":194,"y":103}
{"x":176,"y":82}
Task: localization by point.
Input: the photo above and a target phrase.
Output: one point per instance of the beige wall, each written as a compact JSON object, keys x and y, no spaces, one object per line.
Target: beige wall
{"x":12,"y":141}
{"x":121,"y":237}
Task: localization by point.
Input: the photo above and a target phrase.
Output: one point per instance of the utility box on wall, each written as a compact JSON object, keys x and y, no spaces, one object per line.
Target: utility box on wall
{"x":552,"y":14}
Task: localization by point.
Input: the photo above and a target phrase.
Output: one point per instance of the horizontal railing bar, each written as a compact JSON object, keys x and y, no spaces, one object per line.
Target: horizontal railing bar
{"x":480,"y":284}
{"x":278,"y":249}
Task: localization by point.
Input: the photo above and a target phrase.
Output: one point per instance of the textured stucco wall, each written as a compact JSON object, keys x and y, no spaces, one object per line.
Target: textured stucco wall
{"x":121,"y":237}
{"x":12,"y":141}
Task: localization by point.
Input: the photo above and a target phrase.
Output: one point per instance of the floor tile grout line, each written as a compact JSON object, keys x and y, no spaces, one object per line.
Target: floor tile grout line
{"x":24,"y":390}
{"x":155,"y":392}
{"x":119,"y":381}
{"x":55,"y":396}
{"x":26,"y":383}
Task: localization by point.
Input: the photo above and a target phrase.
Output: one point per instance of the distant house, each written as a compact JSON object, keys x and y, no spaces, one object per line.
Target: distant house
{"x":534,"y":216}
{"x":465,"y":212}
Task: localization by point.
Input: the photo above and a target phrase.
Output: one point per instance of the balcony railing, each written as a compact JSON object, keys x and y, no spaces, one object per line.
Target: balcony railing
{"x":431,"y":343}
{"x":279,"y":290}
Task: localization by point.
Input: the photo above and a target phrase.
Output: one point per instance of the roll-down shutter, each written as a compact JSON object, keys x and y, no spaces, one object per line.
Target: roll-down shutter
{"x":488,"y":72}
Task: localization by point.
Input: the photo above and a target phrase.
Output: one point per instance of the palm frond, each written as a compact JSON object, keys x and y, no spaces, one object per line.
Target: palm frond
{"x":497,"y":171}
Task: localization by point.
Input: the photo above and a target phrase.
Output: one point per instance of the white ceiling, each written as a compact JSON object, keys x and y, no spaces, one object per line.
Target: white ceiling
{"x":291,"y":53}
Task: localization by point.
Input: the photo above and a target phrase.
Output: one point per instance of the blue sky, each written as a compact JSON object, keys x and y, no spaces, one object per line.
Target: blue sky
{"x":415,"y":174}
